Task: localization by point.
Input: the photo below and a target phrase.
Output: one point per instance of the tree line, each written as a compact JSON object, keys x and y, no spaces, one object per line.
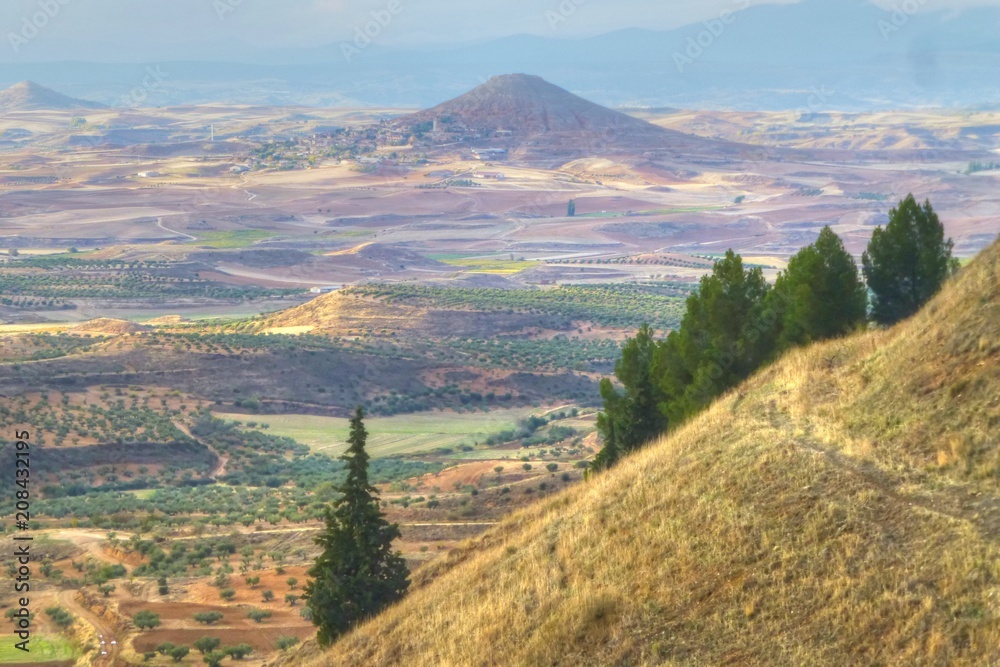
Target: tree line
{"x":735,"y":322}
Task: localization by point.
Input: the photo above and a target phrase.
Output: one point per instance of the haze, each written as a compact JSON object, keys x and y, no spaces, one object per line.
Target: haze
{"x":227,"y":30}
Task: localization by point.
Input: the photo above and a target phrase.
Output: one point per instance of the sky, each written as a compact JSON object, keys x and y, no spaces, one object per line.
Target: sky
{"x":166,"y":30}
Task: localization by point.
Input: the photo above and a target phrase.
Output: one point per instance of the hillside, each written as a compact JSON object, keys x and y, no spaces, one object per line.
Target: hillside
{"x":528,"y":104}
{"x":522,"y":110}
{"x":841,"y":507}
{"x":29,"y":96}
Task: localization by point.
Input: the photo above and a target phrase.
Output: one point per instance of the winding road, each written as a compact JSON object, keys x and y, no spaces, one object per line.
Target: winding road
{"x":159,"y":223}
{"x":105,"y":631}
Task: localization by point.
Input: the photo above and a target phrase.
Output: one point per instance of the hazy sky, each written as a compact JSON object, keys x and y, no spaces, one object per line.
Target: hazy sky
{"x":146,"y":30}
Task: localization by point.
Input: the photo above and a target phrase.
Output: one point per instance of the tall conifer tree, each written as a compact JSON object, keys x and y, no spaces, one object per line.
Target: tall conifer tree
{"x":820,"y":295}
{"x":907,"y":262}
{"x":358,"y":574}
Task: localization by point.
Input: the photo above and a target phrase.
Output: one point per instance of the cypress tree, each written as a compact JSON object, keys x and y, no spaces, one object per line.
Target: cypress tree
{"x":820,"y":295}
{"x":358,"y":574}
{"x":907,"y":262}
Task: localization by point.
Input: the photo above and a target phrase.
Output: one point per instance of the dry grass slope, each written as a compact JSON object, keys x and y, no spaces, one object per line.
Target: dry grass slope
{"x":105,"y":325}
{"x":842,"y":507}
{"x":337,"y":314}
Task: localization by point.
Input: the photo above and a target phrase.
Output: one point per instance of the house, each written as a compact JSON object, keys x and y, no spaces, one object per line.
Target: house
{"x":322,"y":290}
{"x":489,"y":153}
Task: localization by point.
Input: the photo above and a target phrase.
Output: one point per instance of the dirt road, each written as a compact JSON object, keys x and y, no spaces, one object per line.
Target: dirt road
{"x":104,"y":630}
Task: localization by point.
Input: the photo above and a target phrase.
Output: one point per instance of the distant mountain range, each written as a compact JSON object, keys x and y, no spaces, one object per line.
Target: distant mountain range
{"x":813,"y":55}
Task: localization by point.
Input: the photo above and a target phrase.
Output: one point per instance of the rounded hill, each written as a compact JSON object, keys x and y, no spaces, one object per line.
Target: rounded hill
{"x":841,"y":507}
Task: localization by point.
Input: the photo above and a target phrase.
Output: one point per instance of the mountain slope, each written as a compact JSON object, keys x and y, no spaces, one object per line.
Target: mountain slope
{"x":29,"y":96}
{"x":841,"y":507}
{"x":528,"y":104}
{"x":522,"y":111}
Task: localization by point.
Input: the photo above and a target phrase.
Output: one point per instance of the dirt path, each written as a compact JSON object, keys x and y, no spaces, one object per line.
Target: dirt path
{"x":89,"y":541}
{"x":104,"y":630}
{"x":953,"y":501}
{"x":220,"y":469}
{"x":159,"y":223}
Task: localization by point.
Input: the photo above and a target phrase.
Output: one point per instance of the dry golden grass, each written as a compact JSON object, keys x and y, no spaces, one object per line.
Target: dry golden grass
{"x":840,"y":508}
{"x":105,"y":325}
{"x":337,"y":314}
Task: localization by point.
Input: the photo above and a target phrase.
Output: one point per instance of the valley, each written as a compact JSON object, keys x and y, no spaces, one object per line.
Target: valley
{"x":194,"y":299}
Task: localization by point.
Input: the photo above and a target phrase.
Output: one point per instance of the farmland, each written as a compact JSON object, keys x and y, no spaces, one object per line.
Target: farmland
{"x":51,"y":648}
{"x":185,"y":345}
{"x":391,"y":436}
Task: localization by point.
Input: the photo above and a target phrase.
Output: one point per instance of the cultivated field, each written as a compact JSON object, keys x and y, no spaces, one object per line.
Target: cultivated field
{"x":186,"y":323}
{"x":391,"y":436}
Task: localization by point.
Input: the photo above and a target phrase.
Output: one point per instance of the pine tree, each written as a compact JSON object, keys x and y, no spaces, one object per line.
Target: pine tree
{"x":721,"y":341}
{"x":907,"y":262}
{"x":630,"y":418}
{"x":571,"y":209}
{"x":820,"y":295}
{"x":358,"y":574}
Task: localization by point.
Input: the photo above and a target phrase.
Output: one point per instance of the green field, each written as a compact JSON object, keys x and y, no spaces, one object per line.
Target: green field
{"x":389,"y":436}
{"x":239,"y":238}
{"x":659,"y":211}
{"x":489,"y":265}
{"x":43,"y":649}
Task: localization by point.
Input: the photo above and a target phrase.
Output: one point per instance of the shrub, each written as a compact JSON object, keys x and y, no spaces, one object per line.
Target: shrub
{"x":285,"y":643}
{"x":178,"y":653}
{"x":208,"y":617}
{"x":60,"y":616}
{"x":259,"y":615}
{"x":239,"y":651}
{"x":214,"y":659}
{"x":146,"y":620}
{"x":207,"y":644}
